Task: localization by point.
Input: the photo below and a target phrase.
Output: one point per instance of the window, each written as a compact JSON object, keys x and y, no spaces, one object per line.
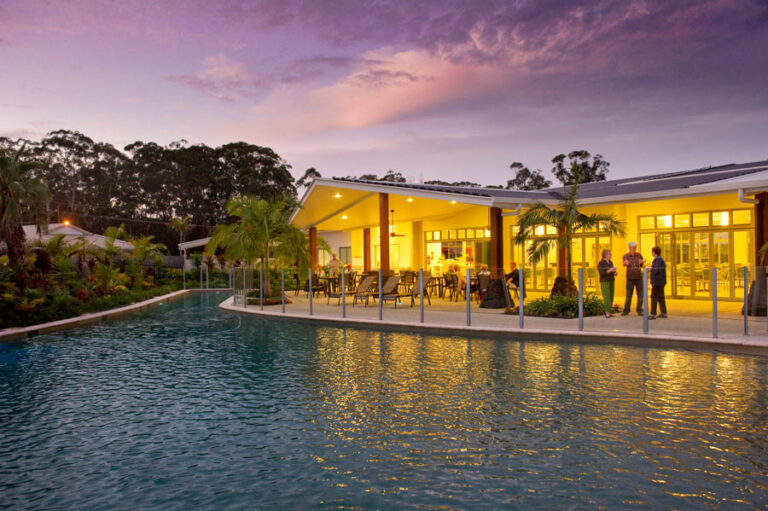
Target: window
{"x":429,"y":236}
{"x":345,"y":254}
{"x":682,"y":221}
{"x":742,"y":217}
{"x":664,"y":221}
{"x":701,"y":219}
{"x":452,"y":249}
{"x":647,"y":222}
{"x":462,"y":234}
{"x":720,"y":218}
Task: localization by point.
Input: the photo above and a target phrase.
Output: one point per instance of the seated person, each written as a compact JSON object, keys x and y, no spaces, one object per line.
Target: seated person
{"x":484,"y":270}
{"x":513,"y":277}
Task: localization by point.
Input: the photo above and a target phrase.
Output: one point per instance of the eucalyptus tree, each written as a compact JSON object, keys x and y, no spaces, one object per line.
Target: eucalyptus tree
{"x":20,"y":193}
{"x":579,"y":165}
{"x":567,"y":221}
{"x":526,"y":179}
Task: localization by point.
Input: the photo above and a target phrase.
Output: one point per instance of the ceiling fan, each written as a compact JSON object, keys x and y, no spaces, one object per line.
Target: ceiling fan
{"x":392,"y":226}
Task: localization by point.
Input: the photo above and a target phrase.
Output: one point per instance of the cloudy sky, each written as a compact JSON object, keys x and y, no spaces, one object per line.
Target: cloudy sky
{"x":434,"y":89}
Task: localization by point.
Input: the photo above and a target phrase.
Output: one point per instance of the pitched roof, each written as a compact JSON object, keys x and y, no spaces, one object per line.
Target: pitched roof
{"x":700,"y":181}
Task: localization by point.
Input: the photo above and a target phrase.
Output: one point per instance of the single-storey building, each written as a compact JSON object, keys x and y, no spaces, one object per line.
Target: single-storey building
{"x":715,"y":217}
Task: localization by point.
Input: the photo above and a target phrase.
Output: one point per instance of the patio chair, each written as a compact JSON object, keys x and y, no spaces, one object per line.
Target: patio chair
{"x":317,"y":286}
{"x":482,"y":285}
{"x":406,"y":282}
{"x":349,"y":288}
{"x":456,"y":290}
{"x":424,"y":291}
{"x":365,"y":290}
{"x":390,"y":292}
{"x":447,"y":285}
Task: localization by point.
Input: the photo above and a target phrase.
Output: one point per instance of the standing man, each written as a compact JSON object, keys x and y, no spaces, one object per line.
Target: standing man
{"x":658,"y":281}
{"x":634,"y":263}
{"x":333,"y":265}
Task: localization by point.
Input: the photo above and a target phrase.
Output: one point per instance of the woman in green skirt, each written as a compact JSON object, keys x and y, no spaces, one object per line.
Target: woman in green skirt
{"x":607,"y":272}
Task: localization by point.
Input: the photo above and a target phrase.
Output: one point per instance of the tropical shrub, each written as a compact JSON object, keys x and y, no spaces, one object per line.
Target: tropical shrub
{"x":561,"y":306}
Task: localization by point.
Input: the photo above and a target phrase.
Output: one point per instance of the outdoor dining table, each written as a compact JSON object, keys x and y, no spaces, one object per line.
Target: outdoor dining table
{"x":329,"y":281}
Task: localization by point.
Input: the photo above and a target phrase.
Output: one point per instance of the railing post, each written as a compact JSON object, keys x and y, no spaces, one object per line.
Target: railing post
{"x":714,"y":302}
{"x":207,"y":283}
{"x":746,"y":301}
{"x":343,"y":294}
{"x":245,"y":298}
{"x":520,"y":297}
{"x":421,"y":295}
{"x":282,"y":287}
{"x":309,"y":290}
{"x":381,"y":307}
{"x":646,"y":302}
{"x":184,"y":273}
{"x":581,"y":299}
{"x":466,"y":295}
{"x":201,"y":275}
{"x":261,"y":287}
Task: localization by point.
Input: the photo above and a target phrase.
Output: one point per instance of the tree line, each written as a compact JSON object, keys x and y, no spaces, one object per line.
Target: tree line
{"x":565,"y":168}
{"x":145,"y":185}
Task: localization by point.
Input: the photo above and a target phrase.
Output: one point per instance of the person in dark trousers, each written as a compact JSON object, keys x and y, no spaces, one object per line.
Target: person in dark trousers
{"x":634,"y":263}
{"x":607,"y":272}
{"x":658,"y":281}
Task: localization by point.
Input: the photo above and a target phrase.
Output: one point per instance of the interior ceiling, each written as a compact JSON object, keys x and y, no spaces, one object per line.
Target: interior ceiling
{"x":325,"y":210}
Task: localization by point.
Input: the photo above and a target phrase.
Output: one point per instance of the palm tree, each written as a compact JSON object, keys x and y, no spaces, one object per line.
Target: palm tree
{"x":181,"y":225}
{"x":145,"y":249}
{"x":293,"y":249}
{"x":19,"y":191}
{"x":111,"y":250}
{"x":567,"y":220}
{"x":261,"y":226}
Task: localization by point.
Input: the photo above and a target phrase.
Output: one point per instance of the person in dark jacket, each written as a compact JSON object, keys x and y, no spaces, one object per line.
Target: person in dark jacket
{"x":634,"y":263}
{"x":658,"y":281}
{"x":607,"y":272}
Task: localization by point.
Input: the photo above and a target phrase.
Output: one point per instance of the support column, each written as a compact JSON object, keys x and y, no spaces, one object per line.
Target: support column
{"x":313,"y":246}
{"x":417,"y":246}
{"x":761,"y":226}
{"x":497,"y":243}
{"x":384,"y":232}
{"x":367,"y":249}
{"x":562,"y":263}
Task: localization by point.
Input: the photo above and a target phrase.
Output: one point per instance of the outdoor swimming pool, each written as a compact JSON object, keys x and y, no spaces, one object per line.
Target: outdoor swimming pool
{"x":186,"y":406}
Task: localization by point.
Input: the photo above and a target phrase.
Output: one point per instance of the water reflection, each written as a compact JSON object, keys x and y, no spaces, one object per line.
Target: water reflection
{"x":642,"y":426}
{"x":190,"y":408}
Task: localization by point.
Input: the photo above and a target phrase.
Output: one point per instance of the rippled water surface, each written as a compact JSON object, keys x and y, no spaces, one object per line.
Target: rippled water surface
{"x":188,"y":407}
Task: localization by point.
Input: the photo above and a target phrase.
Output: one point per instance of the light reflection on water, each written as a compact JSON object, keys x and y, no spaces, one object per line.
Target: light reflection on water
{"x":191,"y":407}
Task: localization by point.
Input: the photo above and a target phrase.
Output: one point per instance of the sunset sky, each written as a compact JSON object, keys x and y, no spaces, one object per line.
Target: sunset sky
{"x":433,"y":89}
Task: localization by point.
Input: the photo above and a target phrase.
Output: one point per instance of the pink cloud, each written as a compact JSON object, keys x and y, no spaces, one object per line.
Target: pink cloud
{"x":222,"y":78}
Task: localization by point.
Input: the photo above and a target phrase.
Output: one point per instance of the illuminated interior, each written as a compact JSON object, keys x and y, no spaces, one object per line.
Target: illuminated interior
{"x":696,"y":234}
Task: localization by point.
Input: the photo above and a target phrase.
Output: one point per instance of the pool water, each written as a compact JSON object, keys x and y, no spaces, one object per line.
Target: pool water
{"x":186,"y":406}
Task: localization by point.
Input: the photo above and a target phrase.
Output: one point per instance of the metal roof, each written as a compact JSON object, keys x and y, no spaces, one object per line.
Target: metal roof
{"x":670,"y":183}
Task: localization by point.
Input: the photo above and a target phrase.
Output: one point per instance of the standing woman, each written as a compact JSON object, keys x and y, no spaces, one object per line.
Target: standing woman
{"x":607,"y":272}
{"x":658,"y":281}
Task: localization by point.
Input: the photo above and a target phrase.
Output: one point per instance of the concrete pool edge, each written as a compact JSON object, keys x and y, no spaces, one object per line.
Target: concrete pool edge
{"x":92,"y":318}
{"x":737,"y":345}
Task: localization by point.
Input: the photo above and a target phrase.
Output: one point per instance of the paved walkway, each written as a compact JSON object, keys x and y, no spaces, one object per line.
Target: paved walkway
{"x":688,"y":322}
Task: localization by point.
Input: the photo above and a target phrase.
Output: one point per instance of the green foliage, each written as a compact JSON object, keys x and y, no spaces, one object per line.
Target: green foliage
{"x":560,"y":306}
{"x":92,"y":182}
{"x":20,"y":193}
{"x":567,"y":219}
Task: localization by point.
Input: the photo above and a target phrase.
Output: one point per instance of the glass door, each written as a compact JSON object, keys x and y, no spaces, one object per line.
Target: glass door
{"x":721,"y":259}
{"x":702,"y":260}
{"x":682,"y":265}
{"x":666,"y":243}
{"x":742,"y":256}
